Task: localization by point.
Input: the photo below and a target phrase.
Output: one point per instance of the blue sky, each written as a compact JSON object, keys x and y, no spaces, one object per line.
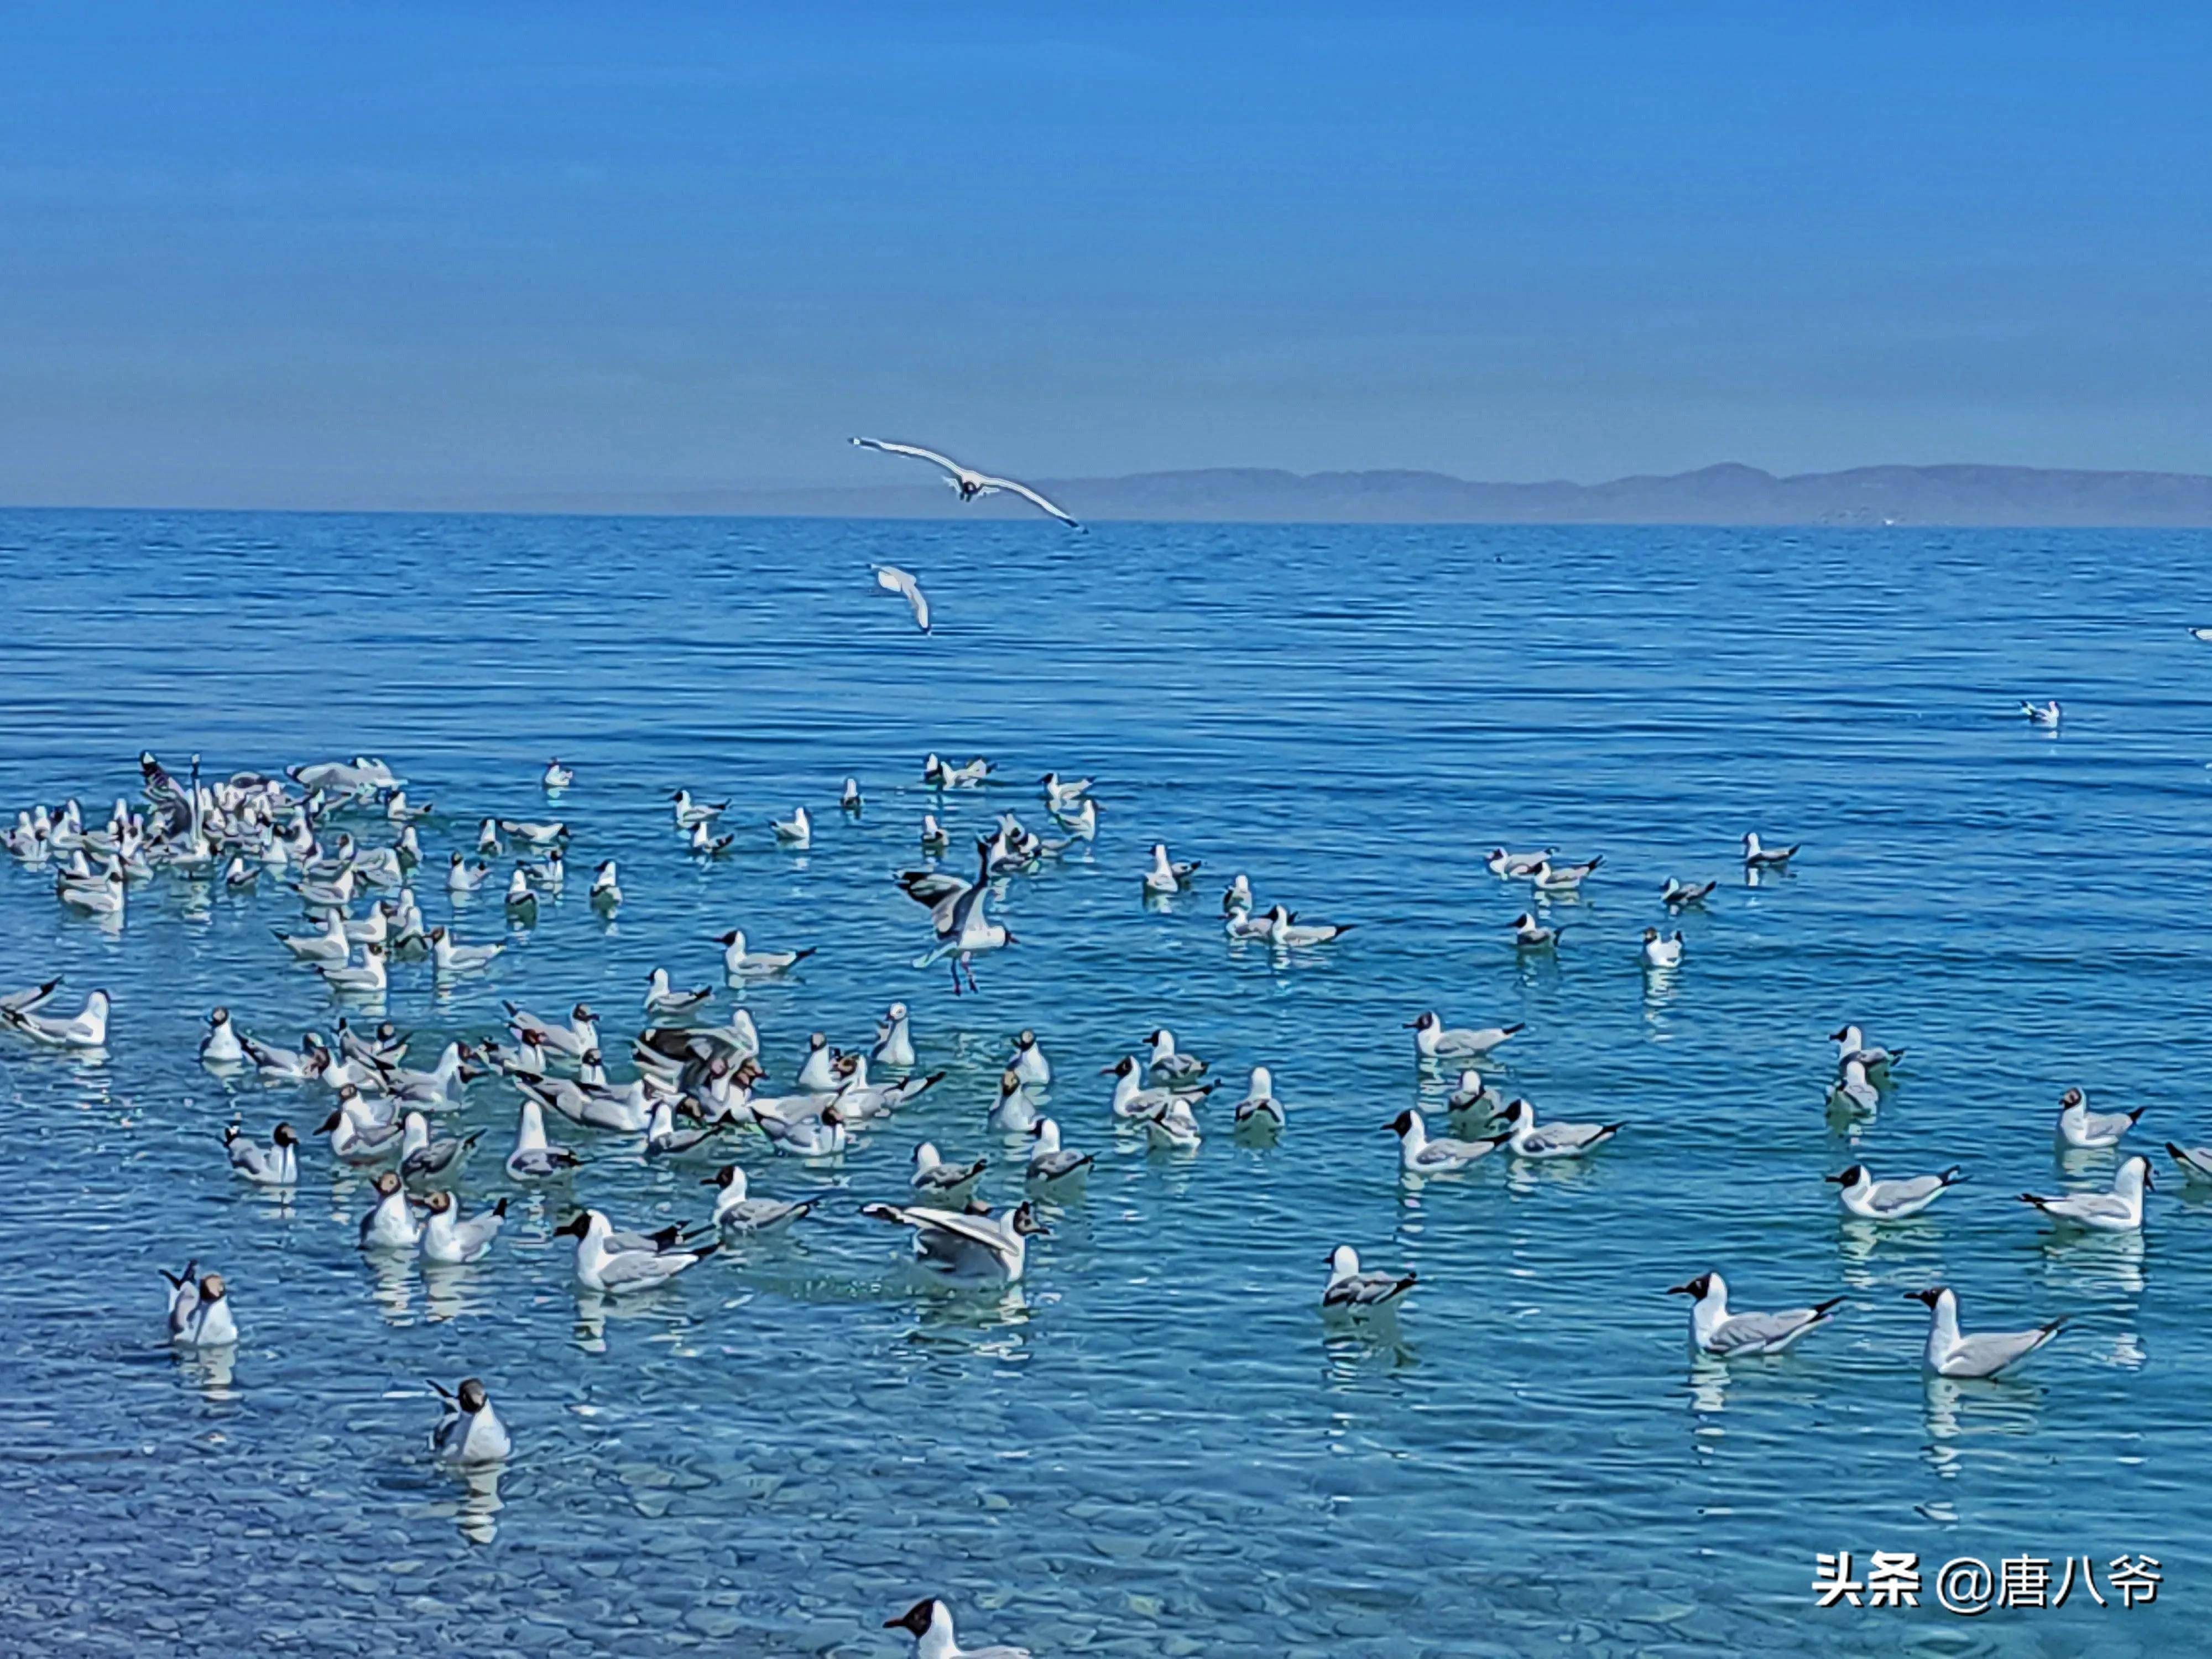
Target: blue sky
{"x":406,"y":254}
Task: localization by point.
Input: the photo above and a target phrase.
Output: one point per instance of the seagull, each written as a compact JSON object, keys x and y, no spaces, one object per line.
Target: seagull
{"x":2204,"y":635}
{"x":606,"y":892}
{"x":1553,"y":1140}
{"x":199,"y":1309}
{"x":1433,"y":1040}
{"x":968,"y":1246}
{"x":332,"y":945}
{"x":449,"y":1241}
{"x":737,"y":1212}
{"x":1851,"y":1045}
{"x":1718,"y":1332}
{"x":1891,"y":1200}
{"x":538,"y":834}
{"x":1013,"y":1113}
{"x":1028,"y":1062}
{"x":1283,"y":929}
{"x":1758,"y":857}
{"x":533,"y":1158}
{"x":423,"y":1160}
{"x":1676,"y":894}
{"x":963,"y":931}
{"x":86,"y":1030}
{"x":1419,"y":1155}
{"x":1237,"y":898}
{"x":662,"y":998}
{"x":1062,"y":795}
{"x":2089,"y":1131}
{"x":2120,"y":1211}
{"x":1166,"y":876}
{"x":740,"y":962}
{"x":615,"y":1266}
{"x":1662,"y":952}
{"x":815,"y":1135}
{"x":1172,"y":1126}
{"x":1516,"y":865}
{"x":2196,"y":1162}
{"x":1132,"y":1100}
{"x":817,"y":1072}
{"x":1853,"y":1089}
{"x":893,"y":579}
{"x":664,"y":1139}
{"x":1049,"y":1163}
{"x":447,"y":958}
{"x":1530,"y":934}
{"x":690,"y":813}
{"x":930,"y":1623}
{"x":704,"y":841}
{"x":557,"y":776}
{"x":367,"y":980}
{"x":935,"y":837}
{"x":1350,"y":1290}
{"x":795,"y":831}
{"x":2045,"y":713}
{"x":391,"y":1226}
{"x":849,"y":799}
{"x":1565,"y":878}
{"x":970,"y":483}
{"x":1169,"y":1066}
{"x":943,"y":776}
{"x":894,"y":1038}
{"x":1473,"y":1095}
{"x":521,"y":901}
{"x":464,"y":877}
{"x":469,"y":1433}
{"x":1260,"y":1107}
{"x":939,"y":1182}
{"x":582,"y":1032}
{"x":278,"y":1165}
{"x":1985,"y":1354}
{"x":220,"y":1047}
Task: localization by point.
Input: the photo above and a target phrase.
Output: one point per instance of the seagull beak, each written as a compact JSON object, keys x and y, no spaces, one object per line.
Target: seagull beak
{"x":1835,"y":1180}
{"x":1679,"y":1290}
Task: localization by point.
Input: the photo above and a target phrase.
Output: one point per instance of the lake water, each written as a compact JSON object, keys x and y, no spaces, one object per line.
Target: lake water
{"x":1155,"y":1445}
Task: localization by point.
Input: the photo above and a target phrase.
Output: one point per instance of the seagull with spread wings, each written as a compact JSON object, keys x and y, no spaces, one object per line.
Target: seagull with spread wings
{"x":970,"y":483}
{"x":893,"y":579}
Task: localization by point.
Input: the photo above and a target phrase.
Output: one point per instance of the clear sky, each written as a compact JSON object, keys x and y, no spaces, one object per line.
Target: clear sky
{"x":400,"y":253}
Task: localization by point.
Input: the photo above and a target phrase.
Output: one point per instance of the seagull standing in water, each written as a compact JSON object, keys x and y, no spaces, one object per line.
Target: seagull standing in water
{"x":970,"y":483}
{"x":893,"y":579}
{"x":963,"y":931}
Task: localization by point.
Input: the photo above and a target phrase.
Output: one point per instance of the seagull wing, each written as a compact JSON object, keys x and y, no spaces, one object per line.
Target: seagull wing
{"x":915,"y":450}
{"x":1031,"y":496}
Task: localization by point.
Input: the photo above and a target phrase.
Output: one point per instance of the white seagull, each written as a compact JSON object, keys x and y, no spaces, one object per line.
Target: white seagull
{"x":1419,"y":1155}
{"x":2046,"y":714}
{"x":2120,"y":1211}
{"x":199,"y":1309}
{"x":893,"y":579}
{"x":2087,"y":1131}
{"x":1726,"y":1335}
{"x":967,"y":1246}
{"x":469,"y":1433}
{"x":1985,"y":1353}
{"x":1891,"y":1200}
{"x":930,"y":1623}
{"x":1350,"y":1290}
{"x":970,"y":483}
{"x":1434,"y":1039}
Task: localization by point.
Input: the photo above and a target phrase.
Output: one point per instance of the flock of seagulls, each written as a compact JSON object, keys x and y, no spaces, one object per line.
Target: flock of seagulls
{"x":691,"y":1083}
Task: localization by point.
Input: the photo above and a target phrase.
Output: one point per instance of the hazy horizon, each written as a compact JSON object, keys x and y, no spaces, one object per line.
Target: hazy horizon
{"x":445,"y":254}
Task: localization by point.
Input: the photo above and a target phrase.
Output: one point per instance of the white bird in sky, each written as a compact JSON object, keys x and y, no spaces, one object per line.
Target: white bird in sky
{"x":970,"y":483}
{"x":893,"y":579}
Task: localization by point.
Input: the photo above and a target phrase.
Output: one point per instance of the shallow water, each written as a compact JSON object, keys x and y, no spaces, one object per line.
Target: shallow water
{"x":1154,"y":1445}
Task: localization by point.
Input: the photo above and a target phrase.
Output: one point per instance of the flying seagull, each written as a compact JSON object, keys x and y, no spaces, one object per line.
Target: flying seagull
{"x":893,"y":579}
{"x":970,"y":483}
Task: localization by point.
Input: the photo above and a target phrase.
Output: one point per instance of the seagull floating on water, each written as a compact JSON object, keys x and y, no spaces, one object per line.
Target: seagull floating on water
{"x":930,"y":1623}
{"x":2120,"y":1211}
{"x":2087,"y":1131}
{"x":1757,"y":855}
{"x":1662,"y":952}
{"x":2044,"y":714}
{"x":1351,"y":1290}
{"x":1434,"y":1039}
{"x":199,"y":1309}
{"x":1419,"y":1155}
{"x":1891,"y":1200}
{"x":1949,"y":1353}
{"x":469,"y":1433}
{"x":1716,"y":1331}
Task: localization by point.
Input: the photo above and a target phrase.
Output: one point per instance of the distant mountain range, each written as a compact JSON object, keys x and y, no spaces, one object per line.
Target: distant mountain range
{"x":1724,"y":494}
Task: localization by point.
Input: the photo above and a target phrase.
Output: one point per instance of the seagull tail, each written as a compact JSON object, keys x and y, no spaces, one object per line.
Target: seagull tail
{"x":2039,"y":1203}
{"x":1827,"y":1310}
{"x":1952,"y":1176}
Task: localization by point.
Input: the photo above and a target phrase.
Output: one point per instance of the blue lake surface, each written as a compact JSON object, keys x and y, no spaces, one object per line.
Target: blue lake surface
{"x":1154,"y":1445}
